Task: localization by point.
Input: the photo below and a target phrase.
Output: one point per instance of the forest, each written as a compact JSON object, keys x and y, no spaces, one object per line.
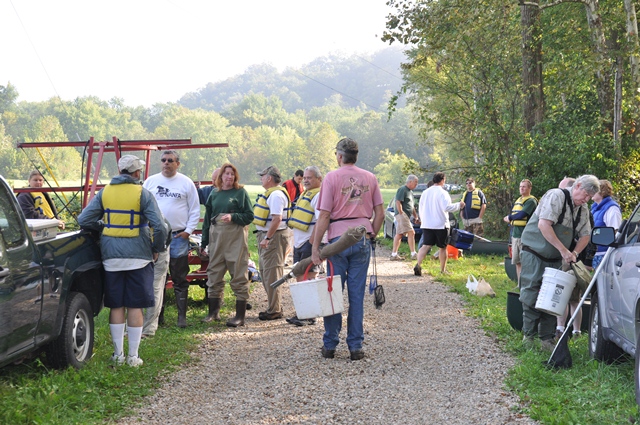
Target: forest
{"x":291,"y":119}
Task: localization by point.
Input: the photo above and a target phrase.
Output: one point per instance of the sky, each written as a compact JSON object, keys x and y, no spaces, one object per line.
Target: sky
{"x":147,"y":52}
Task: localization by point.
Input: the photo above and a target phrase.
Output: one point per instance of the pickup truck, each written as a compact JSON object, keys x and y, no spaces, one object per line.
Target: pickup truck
{"x":615,"y":304}
{"x":50,"y":289}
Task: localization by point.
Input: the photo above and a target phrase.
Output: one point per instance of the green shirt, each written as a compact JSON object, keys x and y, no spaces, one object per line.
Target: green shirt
{"x":405,"y":196}
{"x":233,"y":201}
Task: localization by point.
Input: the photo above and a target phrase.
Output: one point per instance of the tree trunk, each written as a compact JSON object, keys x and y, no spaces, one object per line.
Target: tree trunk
{"x":634,"y":59}
{"x":603,"y":73}
{"x":531,"y":65}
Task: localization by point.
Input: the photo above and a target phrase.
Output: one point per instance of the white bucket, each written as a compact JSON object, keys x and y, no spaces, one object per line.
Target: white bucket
{"x":555,"y":291}
{"x":312,"y":298}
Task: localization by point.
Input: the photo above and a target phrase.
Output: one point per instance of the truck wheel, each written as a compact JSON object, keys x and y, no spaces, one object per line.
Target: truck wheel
{"x":74,"y":345}
{"x":599,"y":348}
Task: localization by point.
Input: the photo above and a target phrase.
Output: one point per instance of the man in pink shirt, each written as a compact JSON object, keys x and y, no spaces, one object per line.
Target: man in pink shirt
{"x":349,"y":197}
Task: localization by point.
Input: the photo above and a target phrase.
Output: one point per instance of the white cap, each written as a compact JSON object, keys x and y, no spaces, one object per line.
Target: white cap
{"x":130,"y":163}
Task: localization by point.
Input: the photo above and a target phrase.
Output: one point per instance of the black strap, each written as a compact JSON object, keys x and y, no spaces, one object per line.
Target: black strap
{"x":548,"y":260}
{"x":574,"y":221}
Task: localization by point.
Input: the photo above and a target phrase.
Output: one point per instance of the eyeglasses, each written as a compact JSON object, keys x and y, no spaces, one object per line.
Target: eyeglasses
{"x":169,"y":160}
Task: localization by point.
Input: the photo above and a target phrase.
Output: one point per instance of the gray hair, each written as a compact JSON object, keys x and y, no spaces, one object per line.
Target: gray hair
{"x":172,"y":152}
{"x":589,"y":183}
{"x":315,"y":170}
{"x":412,"y":178}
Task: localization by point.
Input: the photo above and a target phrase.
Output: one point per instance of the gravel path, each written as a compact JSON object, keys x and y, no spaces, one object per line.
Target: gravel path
{"x":426,"y":363}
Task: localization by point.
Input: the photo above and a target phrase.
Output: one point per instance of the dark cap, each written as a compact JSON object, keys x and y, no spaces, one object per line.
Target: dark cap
{"x":272,"y":171}
{"x":347,"y":145}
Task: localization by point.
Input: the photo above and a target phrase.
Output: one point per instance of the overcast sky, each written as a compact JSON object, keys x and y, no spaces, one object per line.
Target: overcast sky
{"x":156,"y":51}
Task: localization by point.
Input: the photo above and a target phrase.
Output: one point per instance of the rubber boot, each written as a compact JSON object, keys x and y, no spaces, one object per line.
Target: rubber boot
{"x":214,"y":310}
{"x":238,"y":320}
{"x":181,"y":303}
{"x":164,"y":301}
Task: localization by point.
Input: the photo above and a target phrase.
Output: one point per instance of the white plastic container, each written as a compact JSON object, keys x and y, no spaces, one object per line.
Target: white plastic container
{"x":312,"y":298}
{"x":42,"y":229}
{"x":555,"y":291}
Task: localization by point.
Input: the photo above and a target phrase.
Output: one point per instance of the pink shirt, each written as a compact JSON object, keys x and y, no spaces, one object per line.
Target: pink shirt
{"x":349,"y":193}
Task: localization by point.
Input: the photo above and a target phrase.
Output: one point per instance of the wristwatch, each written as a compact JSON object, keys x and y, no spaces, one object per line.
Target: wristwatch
{"x":267,"y":238}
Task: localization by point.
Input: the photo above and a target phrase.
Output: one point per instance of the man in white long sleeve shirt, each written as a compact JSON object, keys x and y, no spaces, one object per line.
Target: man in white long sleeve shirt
{"x":177,"y":197}
{"x":435,"y":206}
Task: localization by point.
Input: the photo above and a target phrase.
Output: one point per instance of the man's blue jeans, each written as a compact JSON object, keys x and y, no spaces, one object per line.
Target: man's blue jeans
{"x":352,"y":265}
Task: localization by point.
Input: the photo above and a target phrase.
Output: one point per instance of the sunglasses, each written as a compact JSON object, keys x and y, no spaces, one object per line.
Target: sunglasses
{"x":169,"y":160}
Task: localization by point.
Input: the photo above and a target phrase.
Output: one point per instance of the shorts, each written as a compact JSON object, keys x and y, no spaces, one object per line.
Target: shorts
{"x":516,"y":249}
{"x":435,"y":237}
{"x":129,"y":288}
{"x":304,"y":252}
{"x":403,"y":224}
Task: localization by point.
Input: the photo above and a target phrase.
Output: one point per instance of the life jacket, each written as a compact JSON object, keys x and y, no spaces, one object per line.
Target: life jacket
{"x":261,"y":208}
{"x":41,"y":205}
{"x":303,"y":213}
{"x":517,"y":207}
{"x":476,"y":203}
{"x":121,"y":204}
{"x":599,"y":211}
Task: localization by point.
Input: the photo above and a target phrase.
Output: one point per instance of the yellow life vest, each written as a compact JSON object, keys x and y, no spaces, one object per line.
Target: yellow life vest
{"x":303,"y":213}
{"x":121,"y":204}
{"x":517,"y":207}
{"x":476,"y":203}
{"x":261,"y":209}
{"x":40,"y":204}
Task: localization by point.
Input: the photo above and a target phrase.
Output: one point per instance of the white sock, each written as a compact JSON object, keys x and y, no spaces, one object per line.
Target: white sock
{"x":117,"y":336}
{"x":394,"y":254}
{"x":134,"y":340}
{"x":414,"y":253}
{"x":560,"y":328}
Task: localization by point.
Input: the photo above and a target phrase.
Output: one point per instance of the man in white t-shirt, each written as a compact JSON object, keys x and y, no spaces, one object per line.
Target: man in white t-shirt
{"x":271,"y":213}
{"x":177,"y":197}
{"x":435,"y":206}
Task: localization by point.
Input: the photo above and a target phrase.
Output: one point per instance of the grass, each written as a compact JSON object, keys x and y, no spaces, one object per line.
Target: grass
{"x":588,"y":393}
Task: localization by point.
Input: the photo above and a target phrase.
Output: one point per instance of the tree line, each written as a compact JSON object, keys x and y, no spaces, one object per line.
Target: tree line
{"x":530,"y":89}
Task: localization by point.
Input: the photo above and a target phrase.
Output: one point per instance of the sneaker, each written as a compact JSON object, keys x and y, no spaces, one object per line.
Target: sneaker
{"x":269,"y":316}
{"x":357,"y":354}
{"x":414,"y":256}
{"x":547,"y":344}
{"x":417,"y":270}
{"x":446,"y":272}
{"x":134,"y":361}
{"x":558,"y":334}
{"x":576,"y":334}
{"x":328,"y":354}
{"x":396,"y":258}
{"x":118,"y":359}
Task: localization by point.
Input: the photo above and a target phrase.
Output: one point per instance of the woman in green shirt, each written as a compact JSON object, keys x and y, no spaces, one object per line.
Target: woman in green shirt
{"x":225,"y":236}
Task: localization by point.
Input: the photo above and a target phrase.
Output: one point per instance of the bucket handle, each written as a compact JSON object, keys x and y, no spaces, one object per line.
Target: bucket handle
{"x":329,"y":278}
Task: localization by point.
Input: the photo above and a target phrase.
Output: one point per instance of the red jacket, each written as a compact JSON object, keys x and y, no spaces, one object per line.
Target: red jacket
{"x":293,"y":189}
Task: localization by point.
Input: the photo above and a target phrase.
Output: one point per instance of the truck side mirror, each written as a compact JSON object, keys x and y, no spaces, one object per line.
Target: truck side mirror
{"x":603,"y":236}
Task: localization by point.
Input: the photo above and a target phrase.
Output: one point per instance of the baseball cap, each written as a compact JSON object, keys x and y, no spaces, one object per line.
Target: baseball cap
{"x":347,"y":145}
{"x":130,"y":163}
{"x":272,"y":171}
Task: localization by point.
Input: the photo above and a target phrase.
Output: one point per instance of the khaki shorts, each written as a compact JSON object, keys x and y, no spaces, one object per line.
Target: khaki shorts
{"x":516,"y":249}
{"x":403,"y":224}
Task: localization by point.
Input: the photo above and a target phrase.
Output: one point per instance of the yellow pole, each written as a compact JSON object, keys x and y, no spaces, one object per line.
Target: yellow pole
{"x":51,"y":172}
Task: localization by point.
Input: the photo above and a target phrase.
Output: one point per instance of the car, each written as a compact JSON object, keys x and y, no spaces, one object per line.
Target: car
{"x":51,"y":288}
{"x":615,"y":297}
{"x":389,"y":225}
